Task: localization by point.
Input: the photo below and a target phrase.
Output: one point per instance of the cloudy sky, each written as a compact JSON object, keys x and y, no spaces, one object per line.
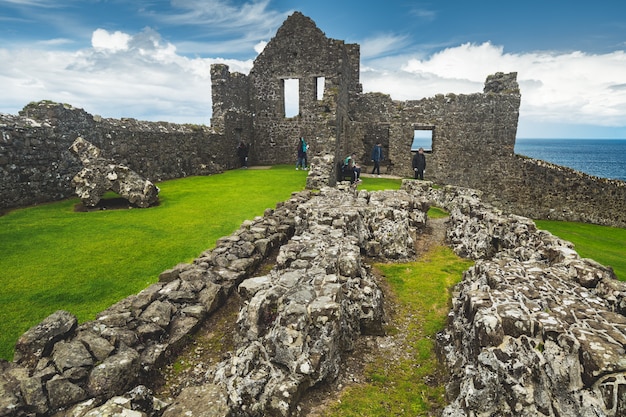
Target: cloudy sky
{"x":150,"y":59}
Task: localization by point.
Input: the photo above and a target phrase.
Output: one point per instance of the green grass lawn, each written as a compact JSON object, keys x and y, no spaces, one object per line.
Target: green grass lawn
{"x":55,"y":258}
{"x":603,"y":244}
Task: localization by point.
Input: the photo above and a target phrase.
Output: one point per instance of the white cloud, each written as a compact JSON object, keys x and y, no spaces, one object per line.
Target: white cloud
{"x":571,"y":88}
{"x":103,"y":40}
{"x":34,"y":3}
{"x":123,"y":75}
{"x":382,"y":45}
{"x":140,"y":75}
{"x":225,"y":16}
{"x":424,"y":14}
{"x":56,"y":42}
{"x":259,"y":47}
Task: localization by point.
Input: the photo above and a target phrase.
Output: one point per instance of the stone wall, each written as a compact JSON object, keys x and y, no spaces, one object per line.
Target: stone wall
{"x":534,"y":329}
{"x":473,"y":140}
{"x":541,"y":190}
{"x":296,"y":325}
{"x":473,"y":135}
{"x":36,"y":165}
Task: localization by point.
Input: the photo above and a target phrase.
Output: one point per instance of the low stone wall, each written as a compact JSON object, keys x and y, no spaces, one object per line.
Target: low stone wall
{"x":297,"y":323}
{"x":534,"y":329}
{"x":59,"y":363}
{"x":541,"y":190}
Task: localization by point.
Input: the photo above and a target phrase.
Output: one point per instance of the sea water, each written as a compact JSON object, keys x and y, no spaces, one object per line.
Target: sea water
{"x":604,"y":158}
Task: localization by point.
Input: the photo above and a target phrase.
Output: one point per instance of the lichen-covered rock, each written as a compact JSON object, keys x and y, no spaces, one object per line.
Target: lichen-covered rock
{"x":62,"y":392}
{"x":11,"y":397}
{"x":534,"y":329}
{"x":299,"y":320}
{"x":100,"y":175}
{"x":204,"y":401}
{"x":115,"y":374}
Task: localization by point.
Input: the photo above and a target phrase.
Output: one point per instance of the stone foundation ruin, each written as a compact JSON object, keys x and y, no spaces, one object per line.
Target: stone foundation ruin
{"x":100,"y":175}
{"x":534,"y":329}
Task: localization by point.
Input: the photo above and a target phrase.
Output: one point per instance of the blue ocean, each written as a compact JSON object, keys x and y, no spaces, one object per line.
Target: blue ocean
{"x":604,"y":158}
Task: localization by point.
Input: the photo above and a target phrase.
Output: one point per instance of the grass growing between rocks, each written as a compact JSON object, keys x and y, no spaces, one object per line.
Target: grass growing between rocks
{"x":409,"y":384}
{"x":606,"y":245}
{"x":55,"y":258}
{"x":378,"y":184}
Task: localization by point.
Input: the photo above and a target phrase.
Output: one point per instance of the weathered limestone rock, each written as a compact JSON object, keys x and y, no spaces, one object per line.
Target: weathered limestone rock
{"x":34,"y":395}
{"x":204,"y":401}
{"x":115,"y":374}
{"x":300,"y":319}
{"x":62,"y":392}
{"x":534,"y":329}
{"x":72,"y":359}
{"x":11,"y":376}
{"x":39,"y":340}
{"x":100,"y":175}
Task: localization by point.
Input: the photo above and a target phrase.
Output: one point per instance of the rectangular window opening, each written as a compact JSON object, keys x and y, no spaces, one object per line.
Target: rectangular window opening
{"x":319,"y":88}
{"x":422,"y":138}
{"x":291,"y":94}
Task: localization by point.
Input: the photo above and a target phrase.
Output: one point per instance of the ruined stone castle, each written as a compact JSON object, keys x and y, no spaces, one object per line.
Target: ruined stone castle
{"x":534,"y":329}
{"x":473,"y":135}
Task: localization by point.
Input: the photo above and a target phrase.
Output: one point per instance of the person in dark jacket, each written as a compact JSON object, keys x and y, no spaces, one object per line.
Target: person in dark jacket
{"x":242,"y":153}
{"x":302,"y":149}
{"x":419,"y":164}
{"x":377,"y":156}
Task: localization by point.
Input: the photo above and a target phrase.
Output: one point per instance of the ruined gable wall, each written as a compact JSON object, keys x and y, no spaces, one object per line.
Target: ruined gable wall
{"x":301,"y":51}
{"x":36,"y":165}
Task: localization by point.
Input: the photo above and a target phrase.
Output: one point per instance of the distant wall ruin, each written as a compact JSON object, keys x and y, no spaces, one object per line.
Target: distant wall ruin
{"x":36,"y":165}
{"x":473,"y":135}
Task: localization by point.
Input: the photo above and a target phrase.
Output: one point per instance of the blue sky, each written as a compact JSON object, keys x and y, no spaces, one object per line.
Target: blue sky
{"x":151,"y":59}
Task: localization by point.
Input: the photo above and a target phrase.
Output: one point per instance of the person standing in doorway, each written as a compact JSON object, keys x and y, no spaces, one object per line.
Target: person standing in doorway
{"x":242,"y":153}
{"x":377,"y":156}
{"x":419,"y":164}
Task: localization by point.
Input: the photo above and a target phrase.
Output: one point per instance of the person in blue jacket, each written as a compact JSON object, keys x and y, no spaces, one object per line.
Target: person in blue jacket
{"x":377,"y":156}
